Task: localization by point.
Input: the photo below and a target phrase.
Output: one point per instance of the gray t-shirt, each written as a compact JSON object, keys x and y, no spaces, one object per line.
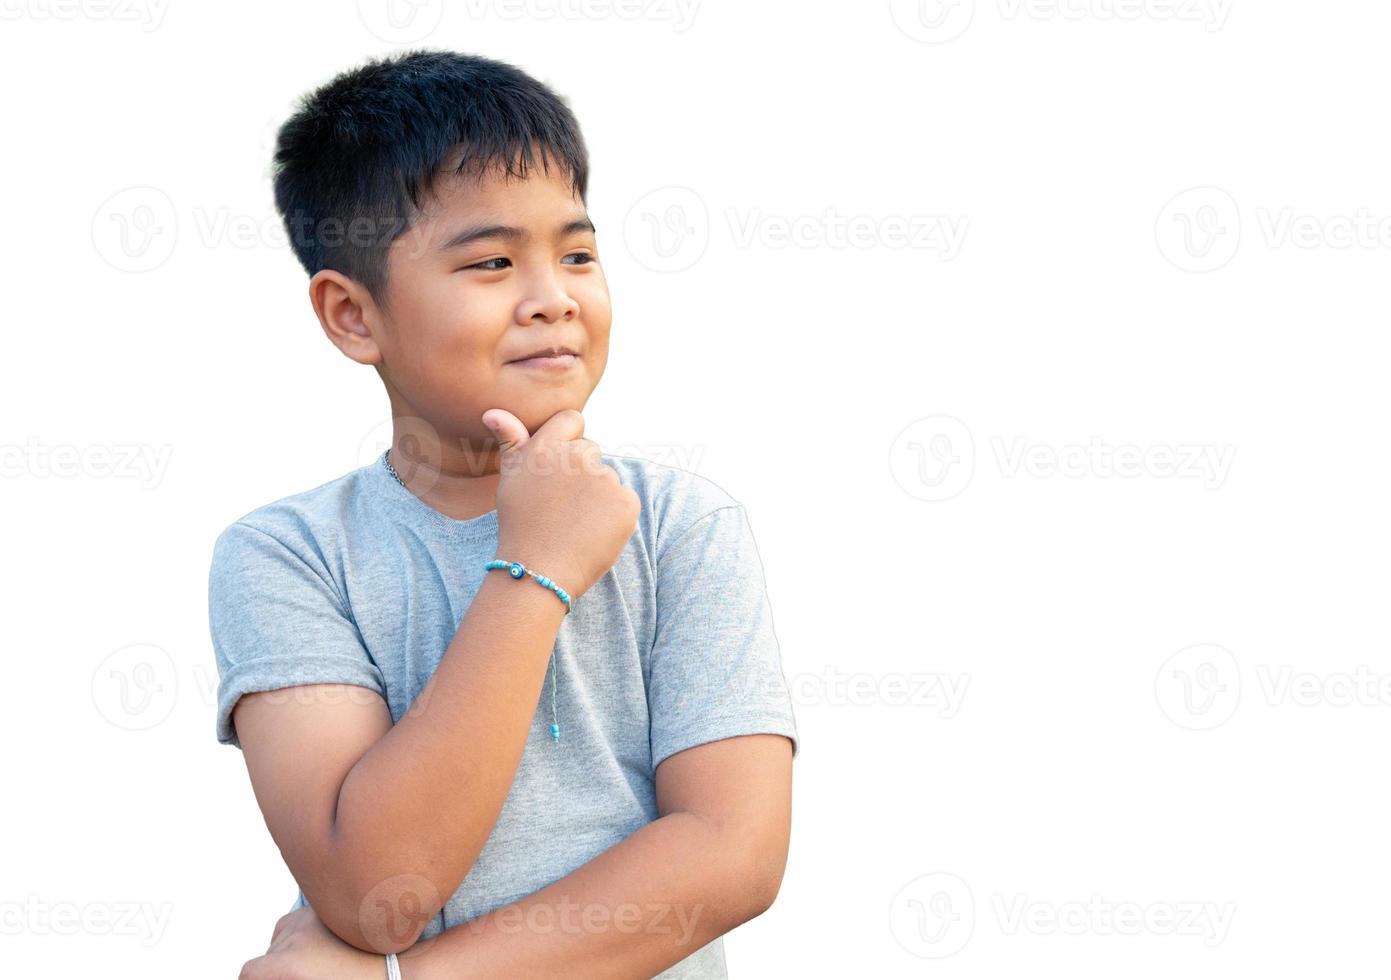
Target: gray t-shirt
{"x":359,"y":582}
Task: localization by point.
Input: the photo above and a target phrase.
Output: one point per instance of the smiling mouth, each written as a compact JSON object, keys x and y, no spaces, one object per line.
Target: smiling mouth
{"x":556,"y":362}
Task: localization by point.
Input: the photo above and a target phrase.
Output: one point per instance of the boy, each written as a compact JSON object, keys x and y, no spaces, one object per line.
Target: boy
{"x":583,"y":754}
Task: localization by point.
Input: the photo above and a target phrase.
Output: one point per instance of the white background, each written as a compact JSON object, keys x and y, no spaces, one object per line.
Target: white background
{"x":1106,"y":463}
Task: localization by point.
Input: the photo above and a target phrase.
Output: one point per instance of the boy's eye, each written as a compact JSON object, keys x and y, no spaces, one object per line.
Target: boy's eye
{"x":488,"y":266}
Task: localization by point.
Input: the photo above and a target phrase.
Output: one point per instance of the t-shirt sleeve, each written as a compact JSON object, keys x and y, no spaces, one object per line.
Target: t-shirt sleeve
{"x":277,"y":620}
{"x":715,"y":669}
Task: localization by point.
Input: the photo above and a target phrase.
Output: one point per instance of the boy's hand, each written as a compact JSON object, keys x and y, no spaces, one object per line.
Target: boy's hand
{"x":559,"y":505}
{"x":303,"y":948}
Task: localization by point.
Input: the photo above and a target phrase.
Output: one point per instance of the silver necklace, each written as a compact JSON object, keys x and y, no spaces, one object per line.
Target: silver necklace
{"x":391,"y":469}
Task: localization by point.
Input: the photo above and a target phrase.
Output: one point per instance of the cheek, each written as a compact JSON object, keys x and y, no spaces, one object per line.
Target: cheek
{"x":595,"y":306}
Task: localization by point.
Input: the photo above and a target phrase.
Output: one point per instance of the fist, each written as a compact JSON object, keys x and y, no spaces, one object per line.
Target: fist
{"x":561,"y":510}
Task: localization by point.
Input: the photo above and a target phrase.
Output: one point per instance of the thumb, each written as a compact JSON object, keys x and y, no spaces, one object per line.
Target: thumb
{"x":508,"y":429}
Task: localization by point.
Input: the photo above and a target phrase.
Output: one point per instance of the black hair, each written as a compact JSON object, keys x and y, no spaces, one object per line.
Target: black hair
{"x":356,"y":161}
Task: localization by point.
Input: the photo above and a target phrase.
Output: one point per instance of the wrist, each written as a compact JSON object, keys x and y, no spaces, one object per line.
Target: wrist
{"x":543,"y":563}
{"x":525,"y":595}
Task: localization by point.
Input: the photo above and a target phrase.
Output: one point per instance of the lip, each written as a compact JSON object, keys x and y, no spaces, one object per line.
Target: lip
{"x":550,"y":351}
{"x":555,"y":362}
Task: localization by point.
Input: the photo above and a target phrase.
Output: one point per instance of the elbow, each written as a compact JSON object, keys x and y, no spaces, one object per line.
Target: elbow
{"x":374,"y":930}
{"x":760,"y":876}
{"x":387,"y":916}
{"x":766,"y":880}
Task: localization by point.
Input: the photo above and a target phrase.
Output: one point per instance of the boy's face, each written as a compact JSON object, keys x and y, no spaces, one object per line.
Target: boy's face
{"x":462,"y":313}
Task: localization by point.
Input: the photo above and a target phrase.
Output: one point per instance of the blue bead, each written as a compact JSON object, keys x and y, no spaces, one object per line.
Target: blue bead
{"x":555,"y":732}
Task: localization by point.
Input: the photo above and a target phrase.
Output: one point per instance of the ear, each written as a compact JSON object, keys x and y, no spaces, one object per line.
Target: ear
{"x":347,"y":314}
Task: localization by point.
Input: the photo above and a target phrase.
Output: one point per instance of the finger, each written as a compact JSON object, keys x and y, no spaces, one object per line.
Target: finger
{"x":511,"y":434}
{"x":564,"y":426}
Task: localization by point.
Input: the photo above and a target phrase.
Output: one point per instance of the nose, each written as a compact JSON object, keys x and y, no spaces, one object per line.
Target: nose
{"x":547,"y":300}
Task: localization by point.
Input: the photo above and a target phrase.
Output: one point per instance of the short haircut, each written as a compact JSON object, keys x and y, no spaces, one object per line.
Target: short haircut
{"x":356,"y":162}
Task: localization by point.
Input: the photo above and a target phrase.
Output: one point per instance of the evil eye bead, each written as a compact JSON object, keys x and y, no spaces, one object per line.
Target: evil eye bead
{"x":516,"y":570}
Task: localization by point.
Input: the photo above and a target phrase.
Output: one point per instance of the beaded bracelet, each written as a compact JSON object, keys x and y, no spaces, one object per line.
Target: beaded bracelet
{"x":516,"y":569}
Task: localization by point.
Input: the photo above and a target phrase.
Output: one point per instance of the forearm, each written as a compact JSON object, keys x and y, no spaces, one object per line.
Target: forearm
{"x":455,"y":752}
{"x":651,"y":900}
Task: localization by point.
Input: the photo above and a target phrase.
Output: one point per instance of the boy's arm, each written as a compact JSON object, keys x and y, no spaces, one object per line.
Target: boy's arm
{"x":373,"y":818}
{"x":713,"y":860}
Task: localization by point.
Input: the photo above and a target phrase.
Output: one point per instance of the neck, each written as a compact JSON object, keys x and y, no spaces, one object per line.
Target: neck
{"x":461,"y":484}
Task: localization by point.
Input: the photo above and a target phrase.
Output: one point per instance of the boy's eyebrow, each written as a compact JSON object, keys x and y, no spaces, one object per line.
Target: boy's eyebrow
{"x":510,"y":234}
